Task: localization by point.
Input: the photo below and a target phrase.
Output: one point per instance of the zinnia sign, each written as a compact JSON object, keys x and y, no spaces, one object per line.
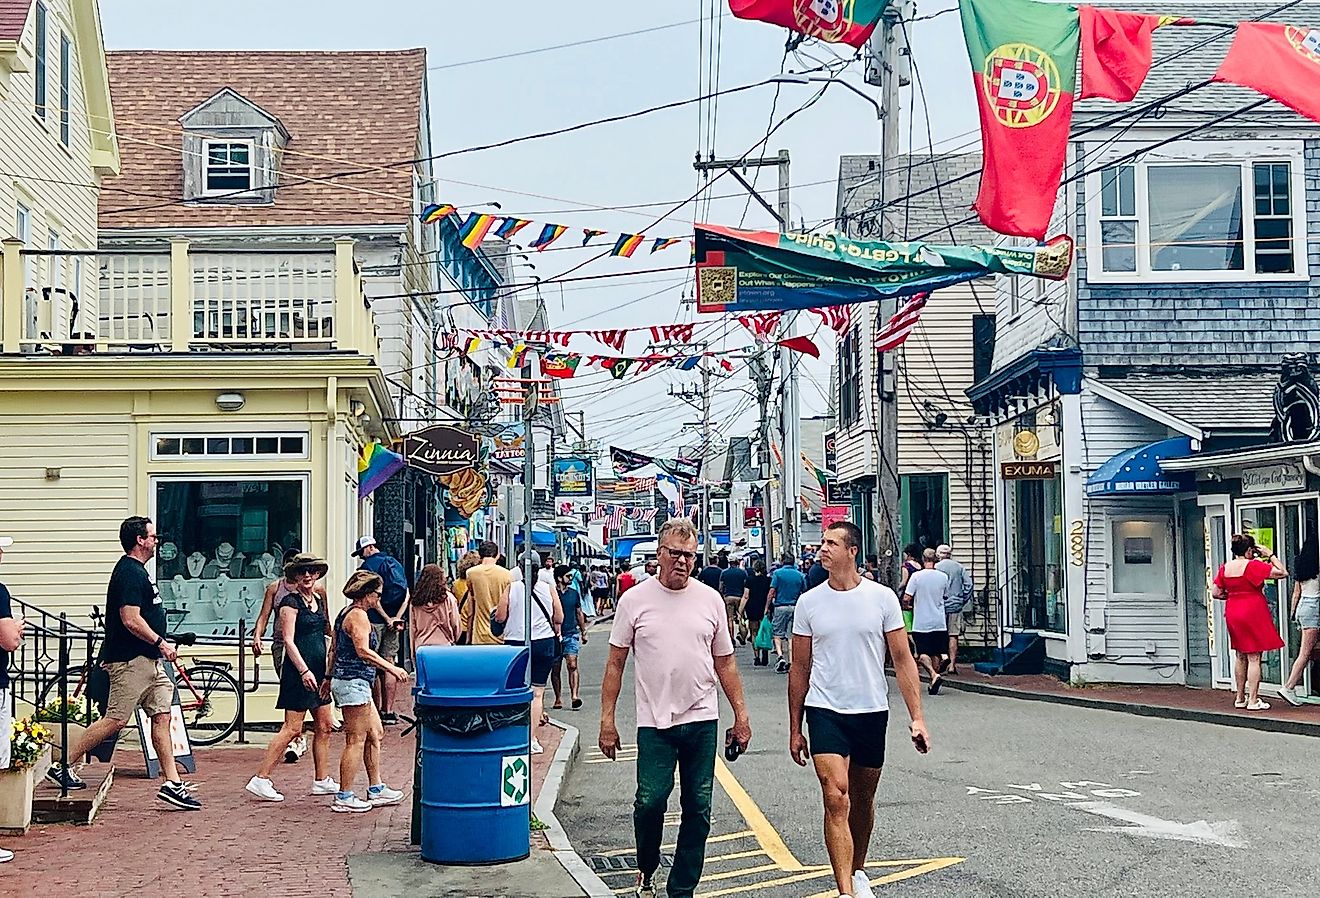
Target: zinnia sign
{"x":441,"y":449}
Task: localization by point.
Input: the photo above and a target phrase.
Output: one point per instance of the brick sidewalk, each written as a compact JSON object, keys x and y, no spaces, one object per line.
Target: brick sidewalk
{"x":235,"y":846}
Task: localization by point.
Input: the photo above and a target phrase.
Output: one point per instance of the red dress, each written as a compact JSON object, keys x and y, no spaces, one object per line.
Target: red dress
{"x":1251,"y":626}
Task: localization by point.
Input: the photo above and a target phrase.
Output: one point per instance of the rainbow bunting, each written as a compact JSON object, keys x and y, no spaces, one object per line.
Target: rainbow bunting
{"x":627,"y":245}
{"x":376,"y":465}
{"x":511,"y":226}
{"x":518,"y":355}
{"x":588,"y":234}
{"x":475,"y":228}
{"x":664,"y":243}
{"x":434,"y":212}
{"x":549,"y":234}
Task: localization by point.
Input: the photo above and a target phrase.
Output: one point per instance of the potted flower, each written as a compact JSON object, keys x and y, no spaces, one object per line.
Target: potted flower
{"x":29,"y":752}
{"x":79,"y":714}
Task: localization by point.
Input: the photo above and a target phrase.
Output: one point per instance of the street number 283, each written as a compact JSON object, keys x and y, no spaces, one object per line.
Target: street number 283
{"x":1077,"y":542}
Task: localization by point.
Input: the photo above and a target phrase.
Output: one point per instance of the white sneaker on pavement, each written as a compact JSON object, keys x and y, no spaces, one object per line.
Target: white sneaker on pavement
{"x":349,"y":805}
{"x":1290,"y":696}
{"x":264,"y":789}
{"x":327,"y":786}
{"x":6,"y":856}
{"x":537,"y":748}
{"x":382,"y":794}
{"x":861,"y":885}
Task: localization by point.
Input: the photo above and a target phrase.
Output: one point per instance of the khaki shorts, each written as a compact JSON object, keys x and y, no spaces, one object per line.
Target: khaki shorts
{"x":140,"y":683}
{"x":954,"y":622}
{"x":387,"y":642}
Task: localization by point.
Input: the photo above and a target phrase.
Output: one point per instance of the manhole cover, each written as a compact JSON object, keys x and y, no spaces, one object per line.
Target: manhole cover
{"x":614,"y":863}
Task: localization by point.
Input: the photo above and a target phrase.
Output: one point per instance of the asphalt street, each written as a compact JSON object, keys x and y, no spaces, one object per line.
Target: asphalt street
{"x":1017,"y":799}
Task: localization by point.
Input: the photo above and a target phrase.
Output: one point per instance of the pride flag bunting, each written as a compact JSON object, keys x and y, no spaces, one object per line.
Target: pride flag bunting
{"x":549,"y":234}
{"x":475,"y":228}
{"x":436,"y":211}
{"x":589,"y":233}
{"x":376,"y":465}
{"x":627,"y":244}
{"x":510,"y":227}
{"x":664,"y":243}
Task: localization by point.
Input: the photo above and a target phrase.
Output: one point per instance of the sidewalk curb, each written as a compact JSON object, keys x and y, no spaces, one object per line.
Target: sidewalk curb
{"x":1266,"y":724}
{"x":560,"y":845}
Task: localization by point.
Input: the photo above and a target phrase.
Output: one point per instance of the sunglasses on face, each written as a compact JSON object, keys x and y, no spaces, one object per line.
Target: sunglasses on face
{"x":679,"y":554}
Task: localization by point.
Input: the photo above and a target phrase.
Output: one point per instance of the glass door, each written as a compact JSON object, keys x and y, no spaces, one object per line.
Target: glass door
{"x":1262,"y":522}
{"x":1196,"y":597}
{"x":1216,"y":550}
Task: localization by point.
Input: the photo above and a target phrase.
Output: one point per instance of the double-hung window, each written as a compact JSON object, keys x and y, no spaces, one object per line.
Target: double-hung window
{"x":1212,"y":215}
{"x":227,"y":166}
{"x":39,"y":69}
{"x":66,"y":76}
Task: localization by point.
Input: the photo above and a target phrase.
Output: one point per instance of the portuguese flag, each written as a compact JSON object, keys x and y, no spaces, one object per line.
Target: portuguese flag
{"x":836,"y":21}
{"x":1279,"y":61}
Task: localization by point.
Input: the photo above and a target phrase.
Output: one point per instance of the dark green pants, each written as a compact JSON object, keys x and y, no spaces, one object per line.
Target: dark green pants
{"x":689,"y":747}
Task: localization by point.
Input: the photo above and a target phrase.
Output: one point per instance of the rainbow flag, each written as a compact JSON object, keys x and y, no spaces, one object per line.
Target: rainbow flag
{"x":511,"y":226}
{"x":627,"y":245}
{"x":588,"y":234}
{"x":376,"y":465}
{"x":664,"y":243}
{"x":475,"y":229}
{"x":549,"y":234}
{"x":436,"y":211}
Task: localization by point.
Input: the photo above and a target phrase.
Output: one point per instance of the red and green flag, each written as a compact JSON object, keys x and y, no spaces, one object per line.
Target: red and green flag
{"x":836,"y":21}
{"x":1116,"y":51}
{"x":560,"y":364}
{"x":1280,"y":61}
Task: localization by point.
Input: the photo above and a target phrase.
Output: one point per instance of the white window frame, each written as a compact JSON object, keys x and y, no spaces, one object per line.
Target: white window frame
{"x":1244,"y":154}
{"x":55,"y":263}
{"x":207,"y":190}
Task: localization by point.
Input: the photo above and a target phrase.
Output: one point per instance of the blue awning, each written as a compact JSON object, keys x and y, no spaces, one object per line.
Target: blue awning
{"x":542,"y":537}
{"x":1137,"y":471}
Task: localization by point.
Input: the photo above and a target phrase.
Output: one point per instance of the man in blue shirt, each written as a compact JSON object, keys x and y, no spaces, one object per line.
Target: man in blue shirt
{"x":786,"y":585}
{"x":388,"y":622}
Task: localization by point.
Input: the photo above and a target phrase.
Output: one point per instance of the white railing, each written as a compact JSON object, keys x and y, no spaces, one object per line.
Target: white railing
{"x":259,"y":298}
{"x":134,"y":307}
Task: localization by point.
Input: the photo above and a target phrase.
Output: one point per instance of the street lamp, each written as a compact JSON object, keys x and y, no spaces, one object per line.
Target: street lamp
{"x":802,"y":78}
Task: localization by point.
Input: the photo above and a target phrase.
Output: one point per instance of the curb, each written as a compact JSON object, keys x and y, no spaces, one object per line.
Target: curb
{"x":1266,"y":724}
{"x":560,"y":845}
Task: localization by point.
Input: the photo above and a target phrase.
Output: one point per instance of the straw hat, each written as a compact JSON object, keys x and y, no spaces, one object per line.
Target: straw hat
{"x":307,"y":561}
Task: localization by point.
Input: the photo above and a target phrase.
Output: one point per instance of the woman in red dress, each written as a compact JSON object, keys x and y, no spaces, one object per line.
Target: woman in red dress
{"x":1251,"y":629}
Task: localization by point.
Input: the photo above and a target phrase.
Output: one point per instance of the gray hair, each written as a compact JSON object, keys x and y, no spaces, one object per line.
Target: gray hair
{"x":944,"y":550}
{"x":680,"y":527}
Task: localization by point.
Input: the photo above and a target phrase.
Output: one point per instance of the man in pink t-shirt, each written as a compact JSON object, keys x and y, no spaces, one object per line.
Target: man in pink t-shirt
{"x":677,"y":628}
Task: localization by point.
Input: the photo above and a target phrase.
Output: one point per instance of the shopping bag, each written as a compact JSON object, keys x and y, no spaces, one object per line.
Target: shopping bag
{"x":764,"y":635}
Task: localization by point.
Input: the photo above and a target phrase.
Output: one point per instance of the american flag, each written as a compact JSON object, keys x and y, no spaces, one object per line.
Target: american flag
{"x":837,"y":318}
{"x":616,"y":518}
{"x":897,"y":328}
{"x":677,"y":507}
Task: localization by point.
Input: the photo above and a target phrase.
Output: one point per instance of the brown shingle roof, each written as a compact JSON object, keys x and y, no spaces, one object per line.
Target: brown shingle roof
{"x":13,"y":18}
{"x":359,"y":109}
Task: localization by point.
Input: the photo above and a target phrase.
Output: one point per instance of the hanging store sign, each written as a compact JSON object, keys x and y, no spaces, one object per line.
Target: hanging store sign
{"x":441,"y":450}
{"x":1029,"y":470}
{"x":833,"y":514}
{"x":572,"y":477}
{"x":1280,"y":478}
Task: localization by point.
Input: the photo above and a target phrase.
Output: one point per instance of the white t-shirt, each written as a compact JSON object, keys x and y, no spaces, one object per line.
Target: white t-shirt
{"x":1311,"y":588}
{"x":541,"y":628}
{"x":847,"y":631}
{"x":928,"y":588}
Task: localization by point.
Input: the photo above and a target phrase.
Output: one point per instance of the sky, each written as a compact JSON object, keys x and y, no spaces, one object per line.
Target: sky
{"x":583,"y":179}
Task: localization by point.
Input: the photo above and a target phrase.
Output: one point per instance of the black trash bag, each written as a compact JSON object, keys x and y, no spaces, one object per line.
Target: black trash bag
{"x":472,"y":721}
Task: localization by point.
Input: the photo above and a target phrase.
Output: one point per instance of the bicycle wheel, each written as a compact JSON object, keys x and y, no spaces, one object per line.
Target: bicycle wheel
{"x":216,"y":715}
{"x":80,"y":689}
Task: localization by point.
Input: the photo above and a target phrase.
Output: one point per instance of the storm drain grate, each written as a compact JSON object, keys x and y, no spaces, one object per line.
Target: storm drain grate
{"x":615,"y":863}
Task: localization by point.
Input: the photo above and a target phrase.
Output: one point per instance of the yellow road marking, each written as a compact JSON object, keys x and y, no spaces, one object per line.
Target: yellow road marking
{"x":734,"y":874}
{"x":727,"y":837}
{"x":767,"y":835}
{"x":735,"y":856}
{"x":811,"y":873}
{"x":924,"y":865}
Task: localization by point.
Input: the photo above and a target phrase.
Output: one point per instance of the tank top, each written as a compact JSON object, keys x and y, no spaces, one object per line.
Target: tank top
{"x":1311,"y":588}
{"x":348,"y":665}
{"x":281,"y":591}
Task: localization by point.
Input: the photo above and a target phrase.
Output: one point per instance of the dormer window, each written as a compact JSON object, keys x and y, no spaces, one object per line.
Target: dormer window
{"x":228,"y":166}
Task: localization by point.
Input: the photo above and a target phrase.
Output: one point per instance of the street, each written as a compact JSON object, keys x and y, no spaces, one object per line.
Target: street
{"x":1016,"y":799}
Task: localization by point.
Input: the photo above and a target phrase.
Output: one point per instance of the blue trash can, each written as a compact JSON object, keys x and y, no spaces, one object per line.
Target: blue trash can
{"x":474,"y":710}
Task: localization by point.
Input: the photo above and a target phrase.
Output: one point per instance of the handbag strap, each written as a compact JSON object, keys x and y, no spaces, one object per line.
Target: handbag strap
{"x":548,"y":619}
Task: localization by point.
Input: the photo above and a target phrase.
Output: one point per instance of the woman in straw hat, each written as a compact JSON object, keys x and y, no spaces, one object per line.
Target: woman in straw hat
{"x":304,"y":626}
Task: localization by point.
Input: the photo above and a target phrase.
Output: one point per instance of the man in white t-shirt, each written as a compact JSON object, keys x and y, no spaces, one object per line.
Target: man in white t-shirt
{"x":676,"y":628}
{"x":929,"y":590}
{"x":841,"y":631}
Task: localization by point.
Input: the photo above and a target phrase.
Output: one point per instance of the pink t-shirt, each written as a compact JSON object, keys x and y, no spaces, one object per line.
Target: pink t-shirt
{"x":675,"y":637}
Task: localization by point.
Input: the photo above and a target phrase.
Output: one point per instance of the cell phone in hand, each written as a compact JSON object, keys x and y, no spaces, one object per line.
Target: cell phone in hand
{"x":732,"y":747}
{"x":919,"y":740}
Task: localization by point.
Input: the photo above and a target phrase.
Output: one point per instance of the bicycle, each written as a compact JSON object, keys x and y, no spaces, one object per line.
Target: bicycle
{"x":208,"y":692}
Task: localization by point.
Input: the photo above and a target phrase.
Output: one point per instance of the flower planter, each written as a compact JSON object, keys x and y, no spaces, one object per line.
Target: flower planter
{"x":76,"y":731}
{"x":16,"y":788}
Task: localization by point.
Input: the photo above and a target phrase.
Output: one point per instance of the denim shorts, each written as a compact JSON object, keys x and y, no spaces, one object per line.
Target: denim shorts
{"x":1308,"y":611}
{"x":572,"y":644}
{"x":350,"y":693}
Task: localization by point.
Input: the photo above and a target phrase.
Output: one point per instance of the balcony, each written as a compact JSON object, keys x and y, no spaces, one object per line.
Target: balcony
{"x":178,"y":300}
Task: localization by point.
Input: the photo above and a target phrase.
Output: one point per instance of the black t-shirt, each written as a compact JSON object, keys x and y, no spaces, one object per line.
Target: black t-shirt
{"x":5,"y":611}
{"x":710,"y":575}
{"x":817,"y":575}
{"x":732,"y":582}
{"x":130,"y":585}
{"x":758,"y":588}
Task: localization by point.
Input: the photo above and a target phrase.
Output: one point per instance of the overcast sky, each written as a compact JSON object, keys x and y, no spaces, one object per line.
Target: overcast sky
{"x":595,"y":171}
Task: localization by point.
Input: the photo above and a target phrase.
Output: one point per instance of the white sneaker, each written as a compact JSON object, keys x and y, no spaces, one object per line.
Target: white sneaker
{"x":1290,"y":696}
{"x":383,"y":795}
{"x":536,"y":748}
{"x":327,"y":786}
{"x":263,"y":789}
{"x":6,"y":856}
{"x":861,"y":885}
{"x":350,"y":805}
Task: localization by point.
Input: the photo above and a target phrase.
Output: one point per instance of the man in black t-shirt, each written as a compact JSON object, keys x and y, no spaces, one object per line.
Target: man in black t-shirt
{"x":131,"y":653}
{"x":11,"y":636}
{"x":388,"y":621}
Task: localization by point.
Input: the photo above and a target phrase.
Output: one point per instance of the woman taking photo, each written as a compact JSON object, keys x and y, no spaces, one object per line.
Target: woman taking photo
{"x":353,"y":664}
{"x":1306,"y":611}
{"x":303,"y":625}
{"x":547,"y":618}
{"x":1251,"y":631}
{"x":434,"y":618}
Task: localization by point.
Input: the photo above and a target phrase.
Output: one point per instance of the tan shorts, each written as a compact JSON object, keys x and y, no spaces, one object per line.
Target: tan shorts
{"x":954,"y":622}
{"x":387,"y":642}
{"x":140,"y":683}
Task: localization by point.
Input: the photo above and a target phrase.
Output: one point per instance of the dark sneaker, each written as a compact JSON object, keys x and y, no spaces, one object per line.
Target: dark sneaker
{"x":389,"y":718}
{"x":64,"y":777}
{"x":935,"y":685}
{"x":645,"y":887}
{"x":781,"y":667}
{"x":175,"y":794}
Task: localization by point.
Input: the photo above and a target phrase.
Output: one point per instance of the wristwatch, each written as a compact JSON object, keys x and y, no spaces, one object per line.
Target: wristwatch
{"x":159,"y":640}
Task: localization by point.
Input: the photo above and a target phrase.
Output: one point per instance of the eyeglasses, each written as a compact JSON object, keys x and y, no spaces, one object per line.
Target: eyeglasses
{"x":689,"y":557}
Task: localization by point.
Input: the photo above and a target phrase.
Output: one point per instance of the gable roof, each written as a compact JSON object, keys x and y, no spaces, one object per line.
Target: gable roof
{"x":13,"y":18}
{"x":358,"y":111}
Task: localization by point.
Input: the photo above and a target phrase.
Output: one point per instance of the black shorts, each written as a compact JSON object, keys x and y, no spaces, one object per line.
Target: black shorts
{"x":858,"y":737}
{"x":543,"y":658}
{"x":934,"y":644}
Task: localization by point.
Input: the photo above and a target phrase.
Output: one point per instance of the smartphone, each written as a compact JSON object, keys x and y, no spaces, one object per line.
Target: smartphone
{"x":919,"y":740}
{"x":732,"y":748}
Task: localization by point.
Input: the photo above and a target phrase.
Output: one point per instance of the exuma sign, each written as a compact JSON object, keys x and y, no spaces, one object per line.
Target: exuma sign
{"x":441,"y":449}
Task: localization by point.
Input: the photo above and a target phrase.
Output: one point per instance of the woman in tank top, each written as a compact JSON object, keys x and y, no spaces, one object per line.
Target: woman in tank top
{"x":1306,"y":611}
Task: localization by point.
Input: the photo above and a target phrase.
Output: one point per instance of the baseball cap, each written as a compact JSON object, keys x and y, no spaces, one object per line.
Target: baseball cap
{"x":362,"y":543}
{"x":6,"y":542}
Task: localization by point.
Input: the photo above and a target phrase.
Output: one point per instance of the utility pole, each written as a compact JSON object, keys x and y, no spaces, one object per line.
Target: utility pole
{"x":701,"y":402}
{"x":530,"y":404}
{"x":764,"y":385}
{"x":790,"y":419}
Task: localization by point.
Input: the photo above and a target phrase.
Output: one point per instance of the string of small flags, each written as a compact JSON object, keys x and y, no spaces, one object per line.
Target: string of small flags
{"x":477,"y":226}
{"x":614,"y":338}
{"x":565,"y":364}
{"x":625,"y":512}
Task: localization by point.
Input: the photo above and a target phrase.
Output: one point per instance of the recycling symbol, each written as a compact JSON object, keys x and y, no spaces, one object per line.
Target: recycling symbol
{"x":515,"y":781}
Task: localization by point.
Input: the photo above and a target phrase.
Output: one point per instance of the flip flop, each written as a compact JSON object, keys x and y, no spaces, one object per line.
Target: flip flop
{"x":557,"y":706}
{"x":577,"y":703}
